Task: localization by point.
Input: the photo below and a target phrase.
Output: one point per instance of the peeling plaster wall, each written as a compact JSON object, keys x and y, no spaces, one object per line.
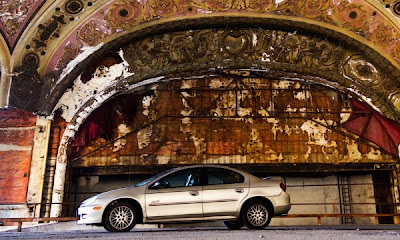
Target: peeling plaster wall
{"x":228,"y":122}
{"x":97,"y":90}
{"x":75,"y":97}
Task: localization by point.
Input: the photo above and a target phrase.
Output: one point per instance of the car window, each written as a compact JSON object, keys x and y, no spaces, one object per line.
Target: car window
{"x":144,"y":182}
{"x":223,"y":176}
{"x":184,"y":178}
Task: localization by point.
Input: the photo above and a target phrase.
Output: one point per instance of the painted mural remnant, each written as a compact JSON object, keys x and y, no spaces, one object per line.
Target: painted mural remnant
{"x":201,"y":121}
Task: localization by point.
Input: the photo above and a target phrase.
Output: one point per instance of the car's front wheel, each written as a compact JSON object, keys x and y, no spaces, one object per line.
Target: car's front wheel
{"x":256,"y":215}
{"x":120,"y":217}
{"x":234,"y":225}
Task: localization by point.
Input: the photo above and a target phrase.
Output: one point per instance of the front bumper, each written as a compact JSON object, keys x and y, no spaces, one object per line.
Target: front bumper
{"x":87,"y":215}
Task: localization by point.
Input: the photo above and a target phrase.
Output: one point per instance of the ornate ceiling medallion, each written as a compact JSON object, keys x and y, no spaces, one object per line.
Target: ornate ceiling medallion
{"x":74,"y":6}
{"x":31,"y":59}
{"x":396,"y":8}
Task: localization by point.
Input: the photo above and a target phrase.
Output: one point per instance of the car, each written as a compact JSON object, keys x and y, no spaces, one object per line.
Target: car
{"x":189,"y":194}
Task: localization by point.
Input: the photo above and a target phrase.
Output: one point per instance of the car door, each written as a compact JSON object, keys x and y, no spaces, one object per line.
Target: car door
{"x":223,"y":191}
{"x":175,"y":196}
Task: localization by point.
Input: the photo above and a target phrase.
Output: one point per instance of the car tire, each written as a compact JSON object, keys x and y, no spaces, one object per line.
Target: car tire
{"x":120,"y":217}
{"x":234,"y":225}
{"x":256,"y":214}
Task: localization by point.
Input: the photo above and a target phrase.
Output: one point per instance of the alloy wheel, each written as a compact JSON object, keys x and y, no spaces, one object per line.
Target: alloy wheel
{"x":257,"y":215}
{"x":121,"y":217}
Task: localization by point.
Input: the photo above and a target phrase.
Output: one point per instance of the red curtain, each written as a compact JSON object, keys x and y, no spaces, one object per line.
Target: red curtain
{"x":375,"y":127}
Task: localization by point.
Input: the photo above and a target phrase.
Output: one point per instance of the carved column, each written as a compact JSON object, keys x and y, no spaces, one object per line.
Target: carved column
{"x":38,"y":164}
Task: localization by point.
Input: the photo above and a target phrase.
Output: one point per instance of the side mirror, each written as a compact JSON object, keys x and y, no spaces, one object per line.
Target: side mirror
{"x":160,"y":184}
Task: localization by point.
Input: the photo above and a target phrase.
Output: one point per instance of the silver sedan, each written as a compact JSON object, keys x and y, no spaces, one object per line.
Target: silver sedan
{"x":194,"y":193}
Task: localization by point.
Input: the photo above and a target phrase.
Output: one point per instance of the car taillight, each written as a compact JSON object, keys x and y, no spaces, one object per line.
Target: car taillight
{"x":283,"y":187}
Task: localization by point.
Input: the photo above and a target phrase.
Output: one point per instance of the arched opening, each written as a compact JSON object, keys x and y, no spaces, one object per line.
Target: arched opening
{"x":293,"y":88}
{"x":293,"y":129}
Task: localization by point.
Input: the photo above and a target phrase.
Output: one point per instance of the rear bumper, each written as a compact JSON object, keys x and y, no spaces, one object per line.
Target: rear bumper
{"x":281,"y":204}
{"x":281,"y":210}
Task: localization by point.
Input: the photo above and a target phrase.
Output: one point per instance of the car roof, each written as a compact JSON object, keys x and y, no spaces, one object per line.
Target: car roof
{"x":246,"y":174}
{"x":213,"y":166}
{"x":207,"y":165}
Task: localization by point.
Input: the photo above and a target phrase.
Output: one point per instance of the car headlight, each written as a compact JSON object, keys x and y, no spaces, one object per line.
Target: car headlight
{"x":89,"y":201}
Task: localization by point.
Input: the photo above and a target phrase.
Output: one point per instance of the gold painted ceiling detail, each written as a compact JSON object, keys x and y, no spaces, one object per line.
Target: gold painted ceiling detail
{"x":393,"y":5}
{"x":365,"y":26}
{"x":122,"y":16}
{"x":14,"y":15}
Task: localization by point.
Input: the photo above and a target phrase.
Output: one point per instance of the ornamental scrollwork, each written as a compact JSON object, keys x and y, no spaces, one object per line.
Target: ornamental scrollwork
{"x":125,"y":14}
{"x":255,"y":46}
{"x":121,"y":16}
{"x":202,"y":50}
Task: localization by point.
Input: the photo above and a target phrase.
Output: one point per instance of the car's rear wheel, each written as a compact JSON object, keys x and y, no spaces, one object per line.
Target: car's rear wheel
{"x":120,"y":217}
{"x":234,"y":225}
{"x":256,"y":215}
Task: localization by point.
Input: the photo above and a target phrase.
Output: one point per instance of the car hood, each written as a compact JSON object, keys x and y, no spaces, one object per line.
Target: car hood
{"x":119,"y":192}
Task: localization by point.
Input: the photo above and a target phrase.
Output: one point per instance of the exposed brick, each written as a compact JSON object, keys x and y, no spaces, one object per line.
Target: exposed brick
{"x":16,"y":118}
{"x":15,"y":166}
{"x":17,"y":137}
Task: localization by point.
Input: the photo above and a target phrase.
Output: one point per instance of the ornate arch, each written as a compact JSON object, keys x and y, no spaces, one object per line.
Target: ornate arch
{"x":266,"y":53}
{"x":59,"y":38}
{"x":383,"y":96}
{"x":74,"y":23}
{"x":53,"y":55}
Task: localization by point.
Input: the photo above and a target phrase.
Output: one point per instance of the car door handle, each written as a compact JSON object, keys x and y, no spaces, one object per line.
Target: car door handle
{"x":239,"y":190}
{"x":194,"y":193}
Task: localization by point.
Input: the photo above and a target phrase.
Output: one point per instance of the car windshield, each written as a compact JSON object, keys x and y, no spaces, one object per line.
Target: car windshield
{"x":152,"y":178}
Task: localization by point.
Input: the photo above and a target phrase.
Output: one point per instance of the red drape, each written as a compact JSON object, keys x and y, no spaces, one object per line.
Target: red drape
{"x":373,"y":126}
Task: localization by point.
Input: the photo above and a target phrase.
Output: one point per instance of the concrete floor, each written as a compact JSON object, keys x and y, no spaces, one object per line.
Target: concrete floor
{"x":70,"y":231}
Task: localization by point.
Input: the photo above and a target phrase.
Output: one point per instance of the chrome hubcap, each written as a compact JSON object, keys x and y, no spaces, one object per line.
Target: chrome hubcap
{"x":257,"y":215}
{"x":121,"y":217}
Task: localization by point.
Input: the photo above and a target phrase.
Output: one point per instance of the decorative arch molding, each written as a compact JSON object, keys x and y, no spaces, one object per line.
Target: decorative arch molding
{"x":383,"y":92}
{"x":93,"y":21}
{"x":197,"y":53}
{"x":367,"y":26}
{"x":269,"y":51}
